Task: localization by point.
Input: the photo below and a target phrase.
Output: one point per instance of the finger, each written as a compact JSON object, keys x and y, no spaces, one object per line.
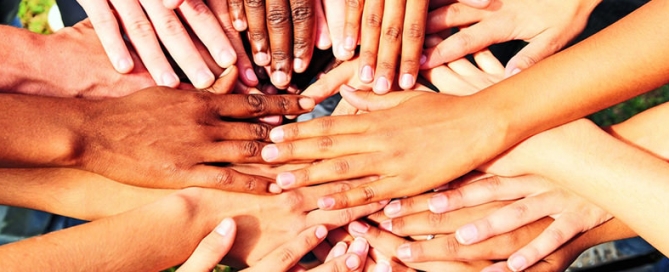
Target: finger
{"x":176,"y":40}
{"x":338,"y":218}
{"x":449,"y":82}
{"x":172,"y":4}
{"x":329,"y":84}
{"x":360,"y":247}
{"x":557,"y":234}
{"x":426,"y":223}
{"x":230,"y":151}
{"x":323,"y":252}
{"x":369,"y":39}
{"x":286,"y":256}
{"x":407,"y":206}
{"x":280,"y":36}
{"x":323,"y":41}
{"x":532,"y":53}
{"x":107,"y":28}
{"x":455,"y":15}
{"x":318,"y":148}
{"x":335,"y":15}
{"x":240,"y":131}
{"x":390,"y":45}
{"x":237,"y":14}
{"x":383,"y":189}
{"x":225,"y":82}
{"x":317,"y":127}
{"x":413,"y":37}
{"x":258,"y":37}
{"x":369,"y":101}
{"x":207,"y":28}
{"x":472,"y":3}
{"x":244,"y":65}
{"x":212,"y":248}
{"x":482,"y":191}
{"x":348,"y":262}
{"x":464,"y":67}
{"x":226,"y":179}
{"x":352,"y":27}
{"x":257,"y":105}
{"x":304,"y":22}
{"x":488,"y":62}
{"x":141,"y":34}
{"x":500,"y":267}
{"x":344,"y":108}
{"x":469,"y":40}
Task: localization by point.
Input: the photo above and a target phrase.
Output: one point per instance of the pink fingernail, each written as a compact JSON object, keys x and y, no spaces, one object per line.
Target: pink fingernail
{"x":359,"y":246}
{"x":279,"y":78}
{"x":124,"y":65}
{"x":404,"y":252}
{"x":269,"y":153}
{"x":438,"y":203}
{"x":466,"y":234}
{"x":366,"y":74}
{"x":326,"y":202}
{"x":169,"y":79}
{"x":226,"y":58}
{"x":276,"y":135}
{"x":382,"y":266}
{"x":386,"y":225}
{"x":225,"y":227}
{"x":349,"y":43}
{"x":382,"y":85}
{"x":298,"y":65}
{"x":393,"y":208}
{"x":261,"y":58}
{"x":407,"y":81}
{"x":517,"y":263}
{"x":423,"y":59}
{"x":347,"y":88}
{"x":250,"y":75}
{"x":285,"y":180}
{"x":358,"y":228}
{"x":321,"y":231}
{"x":352,"y":262}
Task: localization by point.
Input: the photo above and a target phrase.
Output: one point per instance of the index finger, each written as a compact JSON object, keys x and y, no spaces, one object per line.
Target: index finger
{"x":286,"y":256}
{"x":257,"y":105}
{"x":280,"y":36}
{"x":107,"y":28}
{"x":304,"y":22}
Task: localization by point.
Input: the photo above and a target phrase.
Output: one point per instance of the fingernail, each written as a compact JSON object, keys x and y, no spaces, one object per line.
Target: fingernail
{"x":349,"y":43}
{"x":347,"y":88}
{"x":321,"y":231}
{"x":384,"y":202}
{"x":517,"y":263}
{"x":404,"y":252}
{"x":515,"y":71}
{"x":298,"y":65}
{"x":274,"y":188}
{"x":123,"y":65}
{"x":326,"y":202}
{"x":438,"y":203}
{"x":492,"y":269}
{"x":276,"y":135}
{"x":359,"y":228}
{"x":359,"y":246}
{"x":239,"y":25}
{"x":225,"y":58}
{"x":344,"y":53}
{"x":393,"y":208}
{"x":366,"y":74}
{"x":269,"y":153}
{"x":279,"y":78}
{"x":225,"y":227}
{"x":306,"y":103}
{"x":352,"y":262}
{"x":382,"y":266}
{"x":204,"y":78}
{"x":382,"y":85}
{"x":273,"y":120}
{"x":407,"y":81}
{"x":386,"y":225}
{"x":466,"y":234}
{"x":169,"y":79}
{"x":423,"y":59}
{"x":285,"y":180}
{"x":250,"y":75}
{"x":261,"y":58}
{"x":339,"y":249}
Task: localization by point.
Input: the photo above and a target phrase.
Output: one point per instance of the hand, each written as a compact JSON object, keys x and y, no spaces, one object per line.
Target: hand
{"x":79,"y":42}
{"x":538,"y":198}
{"x":161,"y":137}
{"x":548,"y":26}
{"x":169,"y":31}
{"x":281,"y":28}
{"x":367,"y":145}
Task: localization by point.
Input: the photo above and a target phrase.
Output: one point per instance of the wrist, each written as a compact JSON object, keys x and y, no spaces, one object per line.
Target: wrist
{"x":20,"y":75}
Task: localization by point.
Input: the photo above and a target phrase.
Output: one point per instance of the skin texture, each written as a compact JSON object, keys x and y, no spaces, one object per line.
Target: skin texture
{"x":547,"y":26}
{"x":37,"y":76}
{"x":482,"y":125}
{"x":147,"y":24}
{"x":142,"y":138}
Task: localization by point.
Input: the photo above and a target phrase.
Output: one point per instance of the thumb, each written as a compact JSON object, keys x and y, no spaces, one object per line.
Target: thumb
{"x":225,"y":83}
{"x":532,"y":53}
{"x":328,"y":84}
{"x":369,"y":101}
{"x":172,"y":4}
{"x":212,"y":248}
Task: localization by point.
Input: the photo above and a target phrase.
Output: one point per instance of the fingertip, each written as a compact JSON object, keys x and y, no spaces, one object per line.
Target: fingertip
{"x":204,"y":78}
{"x":227,"y":58}
{"x":321,"y":232}
{"x":225,"y":227}
{"x":353,"y":262}
{"x":239,"y":25}
{"x":269,"y":153}
{"x":517,"y":262}
{"x":467,"y":234}
{"x":274,"y":188}
{"x":250,"y":76}
{"x":382,"y":86}
{"x":124,"y":65}
{"x":307,"y":103}
{"x":169,"y":79}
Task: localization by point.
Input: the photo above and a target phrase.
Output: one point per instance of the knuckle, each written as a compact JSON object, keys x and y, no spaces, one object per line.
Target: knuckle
{"x":368,"y":193}
{"x":392,"y":34}
{"x":410,"y":65}
{"x":373,"y":20}
{"x":415,"y":32}
{"x":434,"y":220}
{"x":293,"y":200}
{"x":280,"y":55}
{"x":173,"y":27}
{"x":251,"y":184}
{"x":386,"y":65}
{"x":277,"y":16}
{"x":325,"y":124}
{"x":260,"y":131}
{"x":450,"y":247}
{"x":354,"y":4}
{"x":300,"y":45}
{"x":224,"y":178}
{"x":141,"y":28}
{"x":346,"y":216}
{"x":368,"y":55}
{"x":292,"y":131}
{"x":399,"y":224}
{"x":302,"y":13}
{"x":256,"y":36}
{"x":287,"y":255}
{"x":462,"y":40}
{"x":236,"y":4}
{"x":520,"y":210}
{"x":255,"y":3}
{"x":342,"y":187}
{"x":251,"y":149}
{"x":325,"y":143}
{"x":256,"y":103}
{"x":492,"y":184}
{"x":556,"y":236}
{"x":341,"y":167}
{"x":201,"y":9}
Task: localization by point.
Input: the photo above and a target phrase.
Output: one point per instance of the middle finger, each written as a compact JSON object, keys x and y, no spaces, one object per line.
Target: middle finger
{"x":280,"y":35}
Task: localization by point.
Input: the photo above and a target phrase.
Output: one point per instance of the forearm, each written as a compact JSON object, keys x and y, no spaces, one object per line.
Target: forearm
{"x":629,"y":183}
{"x":40,"y":131}
{"x":151,"y":238}
{"x":72,"y":193}
{"x":622,"y":61}
{"x":645,"y":131}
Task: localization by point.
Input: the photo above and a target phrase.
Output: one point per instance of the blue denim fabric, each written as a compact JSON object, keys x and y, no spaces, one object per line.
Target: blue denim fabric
{"x":19,"y":223}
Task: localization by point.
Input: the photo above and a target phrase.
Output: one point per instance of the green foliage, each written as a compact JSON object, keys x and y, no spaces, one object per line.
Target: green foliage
{"x":34,"y":15}
{"x":627,"y":109}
